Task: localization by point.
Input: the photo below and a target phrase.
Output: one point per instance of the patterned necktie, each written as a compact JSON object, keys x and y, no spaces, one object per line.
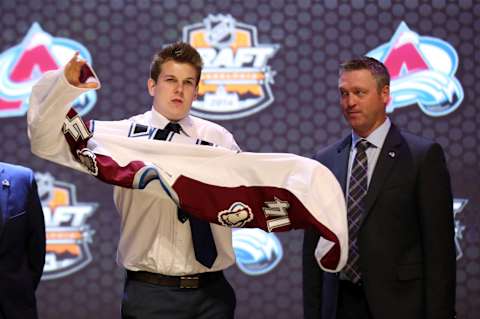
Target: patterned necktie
{"x":202,"y":238}
{"x":357,"y":190}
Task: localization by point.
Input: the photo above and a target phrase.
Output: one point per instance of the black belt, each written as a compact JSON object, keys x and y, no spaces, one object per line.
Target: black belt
{"x":187,"y":281}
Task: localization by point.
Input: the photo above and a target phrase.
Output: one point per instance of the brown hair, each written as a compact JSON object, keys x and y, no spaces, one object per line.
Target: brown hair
{"x":179,"y":52}
{"x":376,"y":68}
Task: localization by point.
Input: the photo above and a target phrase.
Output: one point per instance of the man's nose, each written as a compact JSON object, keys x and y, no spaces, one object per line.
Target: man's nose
{"x":179,"y":88}
{"x":350,"y":100}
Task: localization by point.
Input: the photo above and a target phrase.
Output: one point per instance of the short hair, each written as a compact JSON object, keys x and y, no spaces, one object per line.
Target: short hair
{"x":376,"y":68}
{"x":180,"y":52}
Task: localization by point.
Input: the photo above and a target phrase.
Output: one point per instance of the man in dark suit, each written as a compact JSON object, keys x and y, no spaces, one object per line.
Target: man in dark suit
{"x":22,"y":242}
{"x":401,"y":248}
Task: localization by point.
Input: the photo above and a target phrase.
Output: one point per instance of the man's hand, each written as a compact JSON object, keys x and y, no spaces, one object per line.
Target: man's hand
{"x":73,"y":70}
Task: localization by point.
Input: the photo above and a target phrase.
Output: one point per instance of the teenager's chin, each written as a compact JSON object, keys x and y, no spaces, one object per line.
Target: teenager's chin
{"x":177,"y":115}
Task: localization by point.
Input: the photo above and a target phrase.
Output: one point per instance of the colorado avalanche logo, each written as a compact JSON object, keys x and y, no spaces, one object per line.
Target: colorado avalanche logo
{"x":422,"y":71}
{"x":68,"y":234}
{"x":22,"y":65}
{"x":236,"y":216}
{"x":257,"y":252}
{"x":236,"y":78}
{"x":88,"y":160}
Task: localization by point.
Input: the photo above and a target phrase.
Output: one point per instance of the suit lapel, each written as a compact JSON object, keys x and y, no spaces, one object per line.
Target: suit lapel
{"x":340,"y":166}
{"x":389,"y":155}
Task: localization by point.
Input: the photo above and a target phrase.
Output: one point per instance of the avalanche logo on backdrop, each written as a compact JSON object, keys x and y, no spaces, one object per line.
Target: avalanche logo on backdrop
{"x":422,"y":71}
{"x":22,"y":65}
{"x":236,"y":77}
{"x":257,"y":252}
{"x":68,"y":234}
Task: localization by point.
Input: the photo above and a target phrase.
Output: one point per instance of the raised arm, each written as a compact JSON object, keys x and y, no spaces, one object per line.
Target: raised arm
{"x":50,"y":100}
{"x":79,"y":74}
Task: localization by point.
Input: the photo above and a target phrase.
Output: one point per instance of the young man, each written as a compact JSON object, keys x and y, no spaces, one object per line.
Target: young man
{"x":399,"y":204}
{"x":165,"y":278}
{"x":22,"y":242}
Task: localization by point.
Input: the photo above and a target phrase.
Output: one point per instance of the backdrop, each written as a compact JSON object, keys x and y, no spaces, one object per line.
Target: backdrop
{"x":271,"y":79}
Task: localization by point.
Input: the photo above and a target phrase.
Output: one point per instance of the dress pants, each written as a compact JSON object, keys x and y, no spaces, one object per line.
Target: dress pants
{"x":352,"y":302}
{"x":214,"y":300}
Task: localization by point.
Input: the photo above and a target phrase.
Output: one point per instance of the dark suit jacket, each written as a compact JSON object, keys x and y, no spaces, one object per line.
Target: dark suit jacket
{"x":406,"y":241}
{"x":22,"y":242}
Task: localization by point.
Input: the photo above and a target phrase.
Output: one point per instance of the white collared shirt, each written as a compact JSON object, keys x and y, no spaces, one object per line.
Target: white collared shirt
{"x":152,"y":238}
{"x":376,"y":139}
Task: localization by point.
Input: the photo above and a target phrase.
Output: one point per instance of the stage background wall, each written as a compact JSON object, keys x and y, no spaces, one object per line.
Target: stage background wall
{"x":313,"y":37}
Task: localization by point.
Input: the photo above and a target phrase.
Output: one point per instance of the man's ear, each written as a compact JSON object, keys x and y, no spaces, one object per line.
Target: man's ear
{"x":385,"y":94}
{"x":151,"y":87}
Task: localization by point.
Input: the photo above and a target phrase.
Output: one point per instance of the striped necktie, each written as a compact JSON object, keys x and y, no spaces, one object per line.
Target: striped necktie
{"x":357,"y":190}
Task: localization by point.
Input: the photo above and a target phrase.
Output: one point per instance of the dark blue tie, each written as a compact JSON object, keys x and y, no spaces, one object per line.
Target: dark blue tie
{"x":357,"y":190}
{"x":173,"y":127}
{"x":203,"y":242}
{"x":202,"y":238}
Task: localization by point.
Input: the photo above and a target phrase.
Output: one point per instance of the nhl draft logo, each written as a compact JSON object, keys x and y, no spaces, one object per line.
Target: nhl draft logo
{"x":68,"y":234}
{"x":236,"y":216}
{"x":236,"y":77}
{"x":22,"y":65}
{"x":422,"y":71}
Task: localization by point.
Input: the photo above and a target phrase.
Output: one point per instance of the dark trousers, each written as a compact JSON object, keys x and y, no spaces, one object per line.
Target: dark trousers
{"x":352,"y":302}
{"x":212,"y":300}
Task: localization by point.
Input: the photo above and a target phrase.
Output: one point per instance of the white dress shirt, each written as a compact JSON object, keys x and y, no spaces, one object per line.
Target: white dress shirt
{"x":151,"y":238}
{"x":376,"y":140}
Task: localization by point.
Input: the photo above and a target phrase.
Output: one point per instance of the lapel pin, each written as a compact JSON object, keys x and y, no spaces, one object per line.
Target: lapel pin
{"x":391,"y":154}
{"x":5,"y":183}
